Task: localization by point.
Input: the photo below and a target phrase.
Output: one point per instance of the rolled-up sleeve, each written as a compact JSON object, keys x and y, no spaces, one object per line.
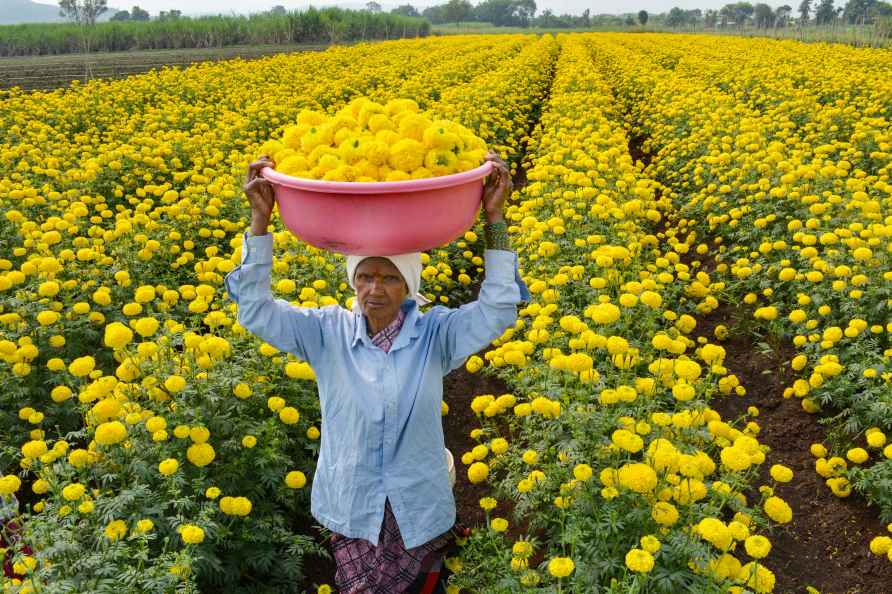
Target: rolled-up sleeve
{"x":293,"y":329}
{"x":469,"y":328}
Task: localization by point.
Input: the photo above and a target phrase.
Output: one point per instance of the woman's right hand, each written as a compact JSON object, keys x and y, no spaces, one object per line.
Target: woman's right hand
{"x":260,"y":194}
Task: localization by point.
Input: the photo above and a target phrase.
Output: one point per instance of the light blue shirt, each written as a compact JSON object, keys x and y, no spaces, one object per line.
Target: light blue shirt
{"x":382,"y":429}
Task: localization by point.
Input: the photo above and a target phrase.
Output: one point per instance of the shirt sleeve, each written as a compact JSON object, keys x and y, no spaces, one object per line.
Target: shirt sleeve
{"x":293,"y":329}
{"x":471,"y":327}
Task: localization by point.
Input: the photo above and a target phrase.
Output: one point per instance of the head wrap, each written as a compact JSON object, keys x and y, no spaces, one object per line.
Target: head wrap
{"x":409,"y":266}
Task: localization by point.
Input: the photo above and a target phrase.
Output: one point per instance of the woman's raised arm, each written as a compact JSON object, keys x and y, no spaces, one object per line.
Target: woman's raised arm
{"x":289,"y":328}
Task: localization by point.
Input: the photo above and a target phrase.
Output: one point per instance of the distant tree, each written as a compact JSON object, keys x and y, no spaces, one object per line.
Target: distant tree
{"x":586,"y":19}
{"x":642,"y":17}
{"x":782,"y":15}
{"x":629,"y":21}
{"x":727,"y":14}
{"x":710,"y":18}
{"x":457,"y":11}
{"x":525,"y":10}
{"x":138,"y":14}
{"x":676,"y":17}
{"x":121,"y":15}
{"x":406,"y":10}
{"x":742,"y":12}
{"x":82,"y":12}
{"x":435,"y":14}
{"x":861,"y":11}
{"x":278,"y":10}
{"x":499,"y":13}
{"x":825,"y":13}
{"x":804,"y":11}
{"x":373,"y":7}
{"x":169,"y":15}
{"x":763,"y":16}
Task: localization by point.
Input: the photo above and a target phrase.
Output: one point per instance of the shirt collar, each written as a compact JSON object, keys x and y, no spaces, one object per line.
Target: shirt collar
{"x":408,"y":331}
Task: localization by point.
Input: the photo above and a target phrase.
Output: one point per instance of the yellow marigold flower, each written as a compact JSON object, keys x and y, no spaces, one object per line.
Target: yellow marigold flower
{"x":716,"y":532}
{"x":664,"y":513}
{"x":40,"y":486}
{"x":299,"y":370}
{"x":168,"y":466}
{"x":781,"y":473}
{"x":650,"y":543}
{"x":175,"y":384}
{"x":757,"y":546}
{"x":499,"y":445}
{"x":757,"y":577}
{"x":146,"y":327}
{"x":561,"y":567}
{"x":488,"y":503}
{"x":582,"y":472}
{"x":110,"y":433}
{"x":880,"y":545}
{"x":639,"y":561}
{"x":477,"y":472}
{"x":778,"y":510}
{"x":82,"y":366}
{"x":115,"y":530}
{"x":199,"y":434}
{"x":242,"y":390}
{"x":73,"y":492}
{"x":34,"y":448}
{"x":201,"y":454}
{"x":876,"y":439}
{"x":60,"y":393}
{"x":857,"y":455}
{"x":640,"y":478}
{"x":192,"y":534}
{"x":145,"y":525}
{"x":499,"y":524}
{"x":530,"y":456}
{"x":295,"y":479}
{"x":818,"y":450}
{"x":289,"y":415}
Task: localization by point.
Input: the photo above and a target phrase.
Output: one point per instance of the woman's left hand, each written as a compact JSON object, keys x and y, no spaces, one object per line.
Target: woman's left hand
{"x":497,"y":189}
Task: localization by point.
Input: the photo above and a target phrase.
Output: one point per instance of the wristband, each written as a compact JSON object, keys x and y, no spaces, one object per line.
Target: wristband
{"x":495,"y":236}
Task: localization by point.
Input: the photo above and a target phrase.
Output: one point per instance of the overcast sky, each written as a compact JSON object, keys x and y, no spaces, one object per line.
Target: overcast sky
{"x":557,"y":6}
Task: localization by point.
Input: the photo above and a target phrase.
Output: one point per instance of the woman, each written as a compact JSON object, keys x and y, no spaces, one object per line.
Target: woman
{"x":381,"y":483}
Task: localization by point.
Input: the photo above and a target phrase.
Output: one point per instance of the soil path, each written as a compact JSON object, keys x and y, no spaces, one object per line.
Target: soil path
{"x":826,"y":544}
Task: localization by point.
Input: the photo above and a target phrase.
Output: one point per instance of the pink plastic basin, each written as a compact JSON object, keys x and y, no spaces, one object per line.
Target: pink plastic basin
{"x":379,"y":218}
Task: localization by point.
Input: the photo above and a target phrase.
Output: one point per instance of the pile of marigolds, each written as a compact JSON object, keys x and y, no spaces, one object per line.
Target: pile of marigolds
{"x":154,"y":445}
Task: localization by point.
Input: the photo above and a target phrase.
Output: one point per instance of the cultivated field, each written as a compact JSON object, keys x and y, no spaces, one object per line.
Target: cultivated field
{"x":696,"y":399}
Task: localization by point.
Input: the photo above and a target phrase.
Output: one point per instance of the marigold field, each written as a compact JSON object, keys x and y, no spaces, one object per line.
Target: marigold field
{"x":663,"y":182}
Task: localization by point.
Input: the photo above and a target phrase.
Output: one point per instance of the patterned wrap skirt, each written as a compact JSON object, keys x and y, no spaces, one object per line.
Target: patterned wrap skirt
{"x":389,"y":567}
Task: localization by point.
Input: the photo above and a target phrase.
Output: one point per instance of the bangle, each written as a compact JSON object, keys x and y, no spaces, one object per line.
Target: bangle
{"x":495,"y":236}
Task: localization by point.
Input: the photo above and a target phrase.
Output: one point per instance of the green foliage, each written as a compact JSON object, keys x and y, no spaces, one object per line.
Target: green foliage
{"x":328,"y":25}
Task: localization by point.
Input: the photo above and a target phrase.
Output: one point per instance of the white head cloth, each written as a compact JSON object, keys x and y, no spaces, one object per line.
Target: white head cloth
{"x":409,"y":266}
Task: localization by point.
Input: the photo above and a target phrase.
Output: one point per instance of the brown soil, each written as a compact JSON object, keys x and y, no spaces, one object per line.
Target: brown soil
{"x":826,"y":544}
{"x":459,"y":389}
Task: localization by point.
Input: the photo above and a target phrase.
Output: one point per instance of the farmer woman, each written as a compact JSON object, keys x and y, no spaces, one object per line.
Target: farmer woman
{"x":381,"y":483}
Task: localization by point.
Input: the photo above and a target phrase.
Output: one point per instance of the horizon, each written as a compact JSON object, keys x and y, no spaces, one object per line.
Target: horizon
{"x":558,"y":7}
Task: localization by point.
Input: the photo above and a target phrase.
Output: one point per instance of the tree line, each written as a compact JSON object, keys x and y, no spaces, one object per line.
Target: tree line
{"x":763,"y":16}
{"x":522,"y":13}
{"x":171,"y":30}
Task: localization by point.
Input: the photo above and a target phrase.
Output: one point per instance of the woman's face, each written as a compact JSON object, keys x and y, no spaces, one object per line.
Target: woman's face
{"x":380,"y":288}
